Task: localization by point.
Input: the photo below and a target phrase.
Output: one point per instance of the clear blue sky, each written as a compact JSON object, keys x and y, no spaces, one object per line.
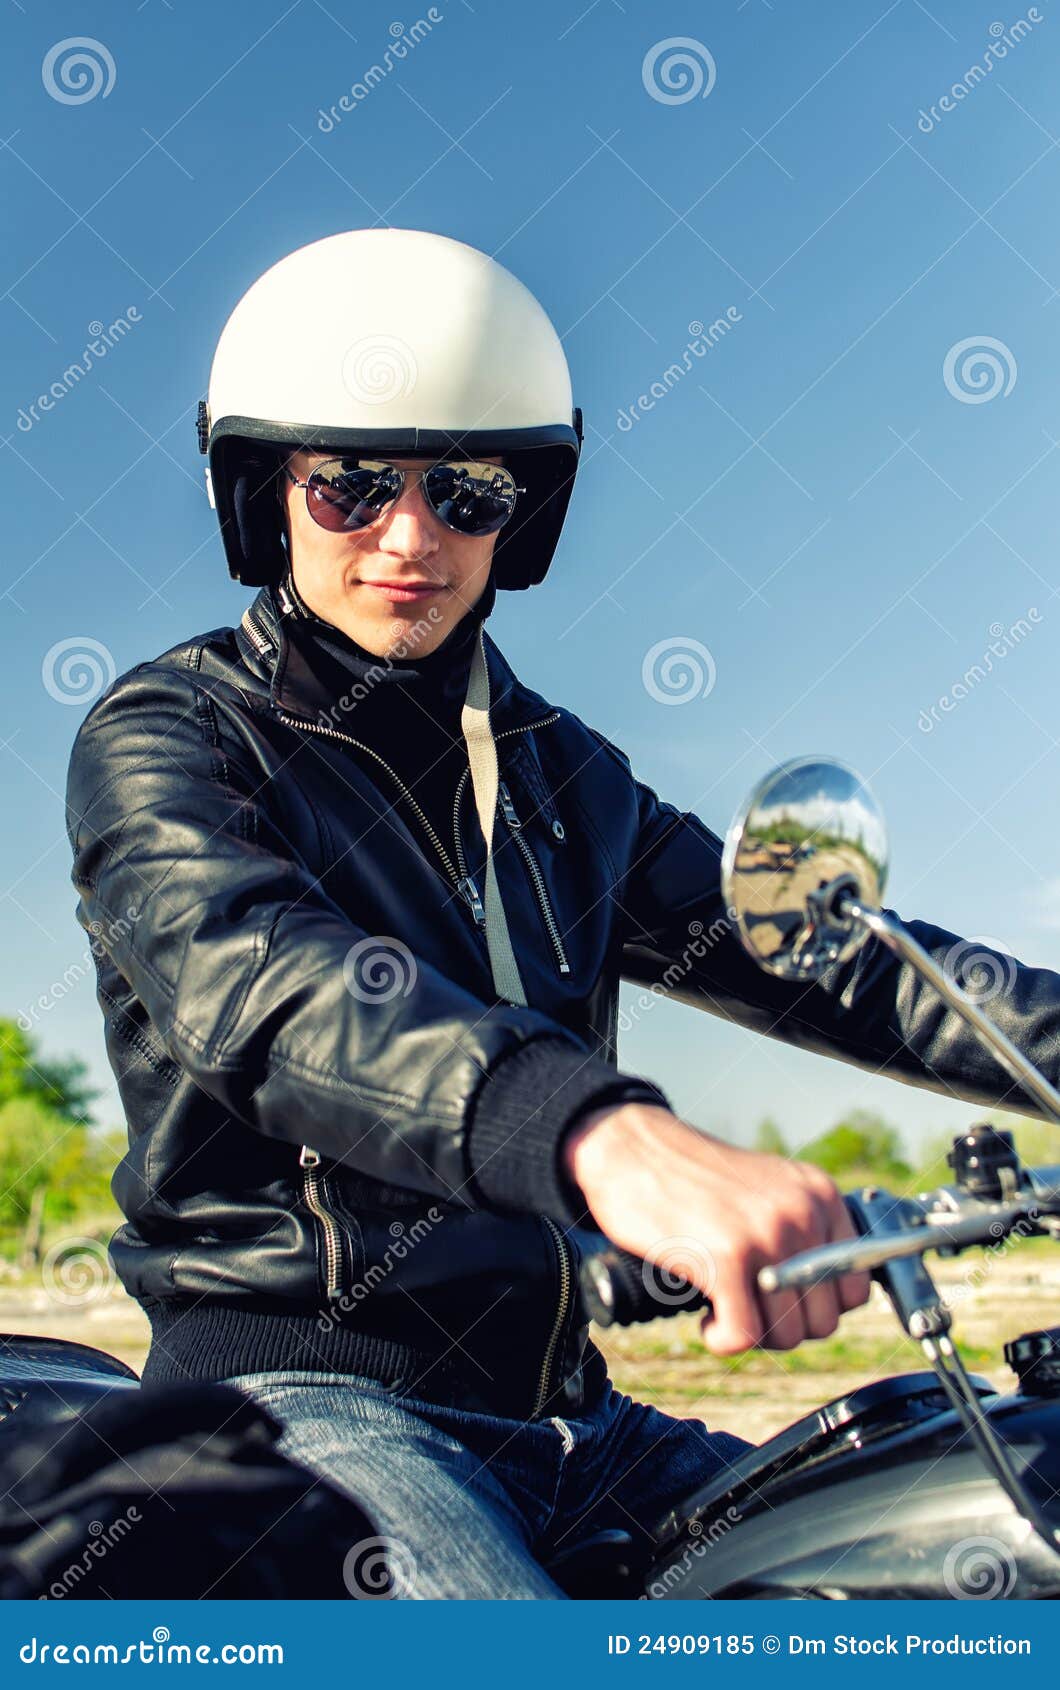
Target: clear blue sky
{"x":838,"y":521}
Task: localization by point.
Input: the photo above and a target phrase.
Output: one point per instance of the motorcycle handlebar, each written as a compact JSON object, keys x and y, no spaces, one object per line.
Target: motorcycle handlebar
{"x":620,"y":1289}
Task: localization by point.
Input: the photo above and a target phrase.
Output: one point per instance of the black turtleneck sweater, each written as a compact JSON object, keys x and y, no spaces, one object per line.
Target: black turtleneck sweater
{"x":408,"y":710}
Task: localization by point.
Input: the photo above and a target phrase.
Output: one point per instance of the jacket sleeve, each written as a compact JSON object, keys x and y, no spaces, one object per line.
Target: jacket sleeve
{"x":240,"y":958}
{"x":873,"y":1010}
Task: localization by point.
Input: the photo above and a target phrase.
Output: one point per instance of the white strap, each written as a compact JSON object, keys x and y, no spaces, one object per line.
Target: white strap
{"x":485,"y":778}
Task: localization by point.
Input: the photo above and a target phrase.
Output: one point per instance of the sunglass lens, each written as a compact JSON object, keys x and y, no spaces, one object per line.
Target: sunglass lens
{"x":350,"y":493}
{"x":472,"y":498}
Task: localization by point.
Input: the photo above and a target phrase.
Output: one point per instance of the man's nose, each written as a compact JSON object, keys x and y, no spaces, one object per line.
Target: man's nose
{"x":410,"y":528}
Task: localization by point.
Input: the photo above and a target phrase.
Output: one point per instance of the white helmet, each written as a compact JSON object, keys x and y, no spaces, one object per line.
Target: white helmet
{"x":394,"y":340}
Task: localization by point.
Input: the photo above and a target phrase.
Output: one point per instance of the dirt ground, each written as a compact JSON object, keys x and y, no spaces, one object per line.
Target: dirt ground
{"x":995,"y":1297}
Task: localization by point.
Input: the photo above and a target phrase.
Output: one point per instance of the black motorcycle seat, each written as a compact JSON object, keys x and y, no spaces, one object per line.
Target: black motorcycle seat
{"x":49,"y":1381}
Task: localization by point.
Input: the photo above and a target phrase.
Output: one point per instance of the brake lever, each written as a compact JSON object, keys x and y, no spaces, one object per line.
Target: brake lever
{"x":873,"y":1250}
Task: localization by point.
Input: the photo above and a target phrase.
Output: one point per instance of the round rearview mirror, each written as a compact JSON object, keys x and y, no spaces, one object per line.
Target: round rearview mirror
{"x":809,"y":838}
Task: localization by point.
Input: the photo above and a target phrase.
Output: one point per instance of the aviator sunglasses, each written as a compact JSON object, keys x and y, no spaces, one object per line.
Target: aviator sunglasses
{"x":471,"y":498}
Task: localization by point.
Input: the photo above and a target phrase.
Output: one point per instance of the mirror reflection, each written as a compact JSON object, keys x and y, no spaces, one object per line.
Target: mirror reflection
{"x":810,"y":836}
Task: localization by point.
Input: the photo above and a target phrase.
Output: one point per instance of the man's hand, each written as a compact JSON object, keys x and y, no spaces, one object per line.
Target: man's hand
{"x":714,"y":1214}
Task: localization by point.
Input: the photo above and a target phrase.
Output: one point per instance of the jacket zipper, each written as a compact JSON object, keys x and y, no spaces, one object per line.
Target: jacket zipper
{"x":460,"y":878}
{"x":566,"y":1281}
{"x":507,"y":808}
{"x":314,"y":1185}
{"x":515,"y":829}
{"x":315,"y":1188}
{"x":347,"y":739}
{"x":255,"y":634}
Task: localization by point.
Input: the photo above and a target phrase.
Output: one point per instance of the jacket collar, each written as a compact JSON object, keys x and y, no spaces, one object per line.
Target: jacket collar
{"x":295,"y":688}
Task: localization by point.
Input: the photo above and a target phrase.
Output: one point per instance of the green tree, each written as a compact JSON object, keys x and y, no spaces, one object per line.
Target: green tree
{"x":49,"y":1150}
{"x":770,"y":1139}
{"x":32,"y":1142}
{"x":58,"y":1085}
{"x":862,"y":1149}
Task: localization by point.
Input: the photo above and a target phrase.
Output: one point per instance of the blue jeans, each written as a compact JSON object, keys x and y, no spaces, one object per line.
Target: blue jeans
{"x":469,"y":1504}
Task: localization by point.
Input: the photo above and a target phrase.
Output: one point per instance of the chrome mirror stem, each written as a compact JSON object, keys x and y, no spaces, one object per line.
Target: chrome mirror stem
{"x":898,"y":939}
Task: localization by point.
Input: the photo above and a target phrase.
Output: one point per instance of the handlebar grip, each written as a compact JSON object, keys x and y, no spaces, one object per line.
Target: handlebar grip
{"x":620,"y":1289}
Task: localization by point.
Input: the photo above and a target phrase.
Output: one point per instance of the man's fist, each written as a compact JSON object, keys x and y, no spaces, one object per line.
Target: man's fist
{"x":714,"y":1214}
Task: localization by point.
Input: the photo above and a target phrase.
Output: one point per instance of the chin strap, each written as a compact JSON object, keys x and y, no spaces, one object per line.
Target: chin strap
{"x":485,"y":778}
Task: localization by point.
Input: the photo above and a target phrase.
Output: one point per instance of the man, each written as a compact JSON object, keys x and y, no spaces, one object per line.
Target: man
{"x":363,"y":901}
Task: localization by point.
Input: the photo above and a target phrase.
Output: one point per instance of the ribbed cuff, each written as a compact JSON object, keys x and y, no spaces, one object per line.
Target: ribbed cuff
{"x":527,"y":1103}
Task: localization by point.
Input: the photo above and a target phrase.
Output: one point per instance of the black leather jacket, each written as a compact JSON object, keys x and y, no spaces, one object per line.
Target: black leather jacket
{"x":315,"y":1178}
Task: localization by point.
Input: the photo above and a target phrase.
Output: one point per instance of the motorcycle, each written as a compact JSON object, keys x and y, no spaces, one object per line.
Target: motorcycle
{"x":930,"y":1484}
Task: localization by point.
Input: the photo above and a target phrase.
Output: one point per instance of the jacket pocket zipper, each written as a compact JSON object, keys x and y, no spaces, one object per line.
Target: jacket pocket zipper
{"x":515,"y":829}
{"x":314,"y":1185}
{"x":566,"y":1281}
{"x":507,"y":808}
